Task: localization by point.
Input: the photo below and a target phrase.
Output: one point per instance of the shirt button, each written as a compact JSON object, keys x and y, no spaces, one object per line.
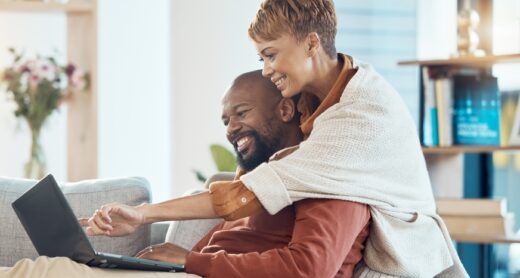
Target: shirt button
{"x":244,"y":200}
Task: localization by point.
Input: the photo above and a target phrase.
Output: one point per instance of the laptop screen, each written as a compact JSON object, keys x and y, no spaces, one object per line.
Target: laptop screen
{"x":50,"y":223}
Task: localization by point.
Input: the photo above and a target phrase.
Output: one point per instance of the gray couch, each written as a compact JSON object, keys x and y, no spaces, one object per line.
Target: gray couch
{"x":84,"y":197}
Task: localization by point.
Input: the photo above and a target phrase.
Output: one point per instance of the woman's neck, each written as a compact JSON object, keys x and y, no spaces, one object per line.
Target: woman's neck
{"x":326,"y":72}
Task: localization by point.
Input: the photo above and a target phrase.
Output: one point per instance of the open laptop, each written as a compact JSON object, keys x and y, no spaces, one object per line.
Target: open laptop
{"x":55,"y":231}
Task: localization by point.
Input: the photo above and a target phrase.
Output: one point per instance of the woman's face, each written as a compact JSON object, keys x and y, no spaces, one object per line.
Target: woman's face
{"x":286,"y":63}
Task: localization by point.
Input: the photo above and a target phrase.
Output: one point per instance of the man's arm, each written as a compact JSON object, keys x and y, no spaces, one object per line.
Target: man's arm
{"x":324,"y":233}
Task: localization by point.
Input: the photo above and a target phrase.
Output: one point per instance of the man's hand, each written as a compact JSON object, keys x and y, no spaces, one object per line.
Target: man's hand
{"x":166,"y":252}
{"x":114,"y":220}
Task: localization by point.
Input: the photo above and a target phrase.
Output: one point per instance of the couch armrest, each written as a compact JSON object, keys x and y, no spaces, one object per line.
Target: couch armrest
{"x":221,"y":176}
{"x":84,"y":198}
{"x":159,"y":231}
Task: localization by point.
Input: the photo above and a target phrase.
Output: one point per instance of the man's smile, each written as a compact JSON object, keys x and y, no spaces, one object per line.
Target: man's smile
{"x":243,"y":143}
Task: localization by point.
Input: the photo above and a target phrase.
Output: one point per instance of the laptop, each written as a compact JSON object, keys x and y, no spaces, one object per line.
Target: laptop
{"x":55,"y":231}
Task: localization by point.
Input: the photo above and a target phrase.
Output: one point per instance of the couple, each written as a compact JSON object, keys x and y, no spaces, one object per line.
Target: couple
{"x":360,"y":149}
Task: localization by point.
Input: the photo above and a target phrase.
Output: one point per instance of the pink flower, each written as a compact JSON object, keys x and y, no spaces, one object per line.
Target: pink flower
{"x":77,"y":80}
{"x":70,"y":69}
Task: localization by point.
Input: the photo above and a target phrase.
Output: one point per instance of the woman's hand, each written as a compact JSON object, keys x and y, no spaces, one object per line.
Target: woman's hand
{"x":166,"y":252}
{"x":114,"y":220}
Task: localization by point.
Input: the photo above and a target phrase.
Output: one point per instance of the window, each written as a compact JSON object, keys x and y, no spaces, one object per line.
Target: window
{"x":382,"y":33}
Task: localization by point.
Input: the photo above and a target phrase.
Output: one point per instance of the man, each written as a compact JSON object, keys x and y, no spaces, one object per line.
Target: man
{"x":312,"y":238}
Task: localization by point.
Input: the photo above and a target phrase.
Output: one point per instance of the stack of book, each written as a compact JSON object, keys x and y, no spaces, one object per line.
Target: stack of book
{"x":476,"y":217}
{"x":460,"y":109}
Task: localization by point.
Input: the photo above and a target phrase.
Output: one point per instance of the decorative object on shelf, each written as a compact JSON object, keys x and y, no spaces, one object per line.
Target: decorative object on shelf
{"x":38,"y":86}
{"x":467,"y":36}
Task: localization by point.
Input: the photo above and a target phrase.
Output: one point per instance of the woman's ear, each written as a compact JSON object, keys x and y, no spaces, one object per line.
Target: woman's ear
{"x":313,"y":43}
{"x":286,"y":110}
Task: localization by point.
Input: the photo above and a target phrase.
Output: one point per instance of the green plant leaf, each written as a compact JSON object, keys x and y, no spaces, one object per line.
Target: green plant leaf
{"x":200,"y":176}
{"x":224,"y":159}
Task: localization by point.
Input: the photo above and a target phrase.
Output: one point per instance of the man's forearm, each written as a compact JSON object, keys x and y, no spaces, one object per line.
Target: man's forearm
{"x":197,"y":206}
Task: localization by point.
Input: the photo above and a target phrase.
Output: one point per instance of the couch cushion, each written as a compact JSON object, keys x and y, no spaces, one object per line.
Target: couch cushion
{"x":187,"y":233}
{"x":84,"y":197}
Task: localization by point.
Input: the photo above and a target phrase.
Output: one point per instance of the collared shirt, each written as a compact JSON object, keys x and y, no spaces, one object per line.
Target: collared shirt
{"x":311,"y":238}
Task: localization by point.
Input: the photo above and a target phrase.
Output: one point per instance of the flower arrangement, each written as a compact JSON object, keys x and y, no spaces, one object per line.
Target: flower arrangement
{"x":38,"y":86}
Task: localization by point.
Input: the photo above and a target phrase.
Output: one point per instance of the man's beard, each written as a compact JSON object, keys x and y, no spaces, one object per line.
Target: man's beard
{"x":262,"y":150}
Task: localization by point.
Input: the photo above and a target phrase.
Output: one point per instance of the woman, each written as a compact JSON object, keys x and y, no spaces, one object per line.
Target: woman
{"x":361,"y":146}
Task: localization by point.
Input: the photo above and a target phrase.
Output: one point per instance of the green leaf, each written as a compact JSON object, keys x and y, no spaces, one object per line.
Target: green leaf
{"x":200,"y":176}
{"x":224,"y":159}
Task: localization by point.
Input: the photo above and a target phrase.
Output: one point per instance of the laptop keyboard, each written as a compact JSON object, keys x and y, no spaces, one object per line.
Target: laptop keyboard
{"x":133,"y":260}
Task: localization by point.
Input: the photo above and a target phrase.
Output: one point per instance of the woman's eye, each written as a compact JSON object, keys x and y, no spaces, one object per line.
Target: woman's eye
{"x":261,"y":59}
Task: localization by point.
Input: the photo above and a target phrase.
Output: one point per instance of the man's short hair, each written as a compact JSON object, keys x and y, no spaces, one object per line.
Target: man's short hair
{"x":297,"y":18}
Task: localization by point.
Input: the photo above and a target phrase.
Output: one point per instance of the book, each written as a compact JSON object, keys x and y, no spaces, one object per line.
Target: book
{"x":480,"y":225}
{"x":472,"y":207}
{"x":444,"y":101}
{"x":514,"y":138}
{"x":430,"y":124}
{"x":476,"y":118}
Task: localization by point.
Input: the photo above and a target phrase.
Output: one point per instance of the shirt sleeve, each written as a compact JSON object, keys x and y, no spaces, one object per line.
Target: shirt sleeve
{"x":323,"y":235}
{"x":232,"y":200}
{"x":205,"y":240}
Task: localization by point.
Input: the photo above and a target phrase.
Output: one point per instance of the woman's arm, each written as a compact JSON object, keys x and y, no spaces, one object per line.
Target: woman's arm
{"x":118,"y":220}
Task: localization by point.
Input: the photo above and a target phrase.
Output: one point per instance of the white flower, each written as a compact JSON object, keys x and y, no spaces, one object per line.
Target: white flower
{"x":45,"y":70}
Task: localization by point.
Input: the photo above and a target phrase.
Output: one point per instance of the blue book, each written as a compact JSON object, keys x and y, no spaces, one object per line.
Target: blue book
{"x":476,"y":118}
{"x":430,"y":120}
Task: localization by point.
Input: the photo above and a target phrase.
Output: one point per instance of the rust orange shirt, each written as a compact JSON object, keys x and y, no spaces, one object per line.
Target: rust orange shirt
{"x":312,"y":238}
{"x":233,"y":200}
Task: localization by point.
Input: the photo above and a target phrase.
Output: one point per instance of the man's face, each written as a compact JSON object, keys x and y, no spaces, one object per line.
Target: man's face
{"x":253,"y":127}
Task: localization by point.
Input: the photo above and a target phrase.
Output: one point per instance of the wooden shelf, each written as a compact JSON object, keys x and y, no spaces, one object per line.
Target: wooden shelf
{"x":486,"y":239}
{"x":467,"y":61}
{"x":468,"y":149}
{"x":36,"y":6}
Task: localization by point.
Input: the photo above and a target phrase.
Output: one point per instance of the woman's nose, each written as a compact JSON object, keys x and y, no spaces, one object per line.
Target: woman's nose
{"x":267,"y":71}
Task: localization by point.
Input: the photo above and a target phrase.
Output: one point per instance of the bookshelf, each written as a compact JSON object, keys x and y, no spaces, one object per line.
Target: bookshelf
{"x":468,"y":149}
{"x":485,"y":61}
{"x":83,"y":7}
{"x":473,"y":169}
{"x":485,"y":239}
{"x":81,"y":46}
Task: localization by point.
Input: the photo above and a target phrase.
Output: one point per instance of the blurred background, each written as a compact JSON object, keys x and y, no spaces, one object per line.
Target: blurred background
{"x":159,"y":69}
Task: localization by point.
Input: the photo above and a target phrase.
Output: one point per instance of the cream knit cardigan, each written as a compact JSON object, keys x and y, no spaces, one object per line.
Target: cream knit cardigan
{"x":366,"y":149}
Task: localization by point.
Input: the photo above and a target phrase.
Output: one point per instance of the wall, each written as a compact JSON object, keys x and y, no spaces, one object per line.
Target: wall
{"x":210,"y":47}
{"x":134,"y":91}
{"x":45,"y":35}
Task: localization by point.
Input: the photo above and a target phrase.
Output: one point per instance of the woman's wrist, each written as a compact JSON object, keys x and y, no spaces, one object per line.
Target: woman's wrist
{"x":146,"y":211}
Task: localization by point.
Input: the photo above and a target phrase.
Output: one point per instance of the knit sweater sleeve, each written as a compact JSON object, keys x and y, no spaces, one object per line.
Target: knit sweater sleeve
{"x":324,"y":234}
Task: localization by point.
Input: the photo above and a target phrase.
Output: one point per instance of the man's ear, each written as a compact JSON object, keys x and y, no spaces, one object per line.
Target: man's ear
{"x":313,"y":43}
{"x":286,"y":109}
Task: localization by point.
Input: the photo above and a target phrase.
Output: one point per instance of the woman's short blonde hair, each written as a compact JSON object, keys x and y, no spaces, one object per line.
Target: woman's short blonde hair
{"x":297,"y":18}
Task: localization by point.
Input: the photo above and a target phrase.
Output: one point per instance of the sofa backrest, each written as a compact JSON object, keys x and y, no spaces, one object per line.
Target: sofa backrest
{"x":84,"y":197}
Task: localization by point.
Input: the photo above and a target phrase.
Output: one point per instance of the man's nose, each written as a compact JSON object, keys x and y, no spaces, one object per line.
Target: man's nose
{"x":232,"y":128}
